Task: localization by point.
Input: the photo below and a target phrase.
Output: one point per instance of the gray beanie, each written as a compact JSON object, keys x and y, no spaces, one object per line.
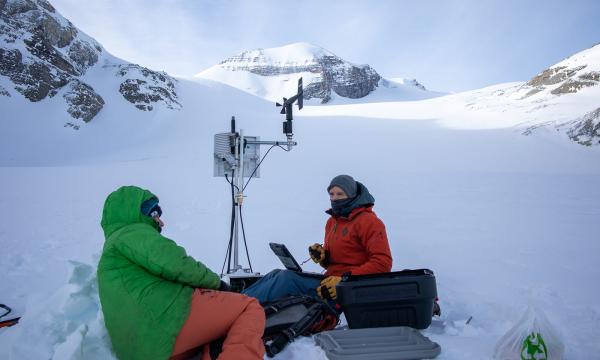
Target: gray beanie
{"x":344,"y":182}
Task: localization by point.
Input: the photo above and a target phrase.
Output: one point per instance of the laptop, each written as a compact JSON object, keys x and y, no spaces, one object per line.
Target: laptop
{"x":290,"y":263}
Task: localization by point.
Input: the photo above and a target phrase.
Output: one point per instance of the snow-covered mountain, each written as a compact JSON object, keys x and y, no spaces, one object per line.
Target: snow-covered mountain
{"x":272,"y":73}
{"x":564,"y":97}
{"x":43,"y":55}
{"x":574,"y":75}
{"x":569,"y":76}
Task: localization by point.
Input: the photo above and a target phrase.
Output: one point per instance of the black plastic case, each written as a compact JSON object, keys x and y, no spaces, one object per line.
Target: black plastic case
{"x":401,"y":298}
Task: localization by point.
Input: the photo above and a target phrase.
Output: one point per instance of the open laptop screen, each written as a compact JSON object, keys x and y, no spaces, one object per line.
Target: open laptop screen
{"x":286,"y":257}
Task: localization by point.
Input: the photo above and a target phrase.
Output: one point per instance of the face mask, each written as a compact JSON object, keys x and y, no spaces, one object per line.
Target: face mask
{"x":340,"y":207}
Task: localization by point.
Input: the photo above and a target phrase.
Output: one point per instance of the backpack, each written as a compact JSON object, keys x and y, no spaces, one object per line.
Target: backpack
{"x":288,"y":318}
{"x":294,"y":316}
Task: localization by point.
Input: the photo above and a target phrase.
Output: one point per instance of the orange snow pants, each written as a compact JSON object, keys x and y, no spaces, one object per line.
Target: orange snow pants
{"x":214,"y":314}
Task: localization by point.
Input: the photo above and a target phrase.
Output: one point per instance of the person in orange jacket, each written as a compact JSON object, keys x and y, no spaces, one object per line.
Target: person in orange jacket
{"x":355,"y":243}
{"x":355,"y":238}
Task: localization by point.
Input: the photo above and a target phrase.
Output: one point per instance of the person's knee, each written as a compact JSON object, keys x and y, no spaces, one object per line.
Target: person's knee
{"x":257,"y":312}
{"x":273,"y":273}
{"x":286,"y":275}
{"x":254,"y":305}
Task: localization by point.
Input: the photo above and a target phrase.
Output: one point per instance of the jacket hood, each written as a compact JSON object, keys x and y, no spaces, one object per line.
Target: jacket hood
{"x":363,"y":199}
{"x":123,"y":207}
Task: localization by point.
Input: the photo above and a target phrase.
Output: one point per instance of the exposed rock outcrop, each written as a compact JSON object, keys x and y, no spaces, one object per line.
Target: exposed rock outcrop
{"x":83,"y":101}
{"x":42,"y":54}
{"x":144,"y":87}
{"x":567,"y":77}
{"x":572,"y":86}
{"x":553,"y":75}
{"x":4,"y":92}
{"x":586,"y":130}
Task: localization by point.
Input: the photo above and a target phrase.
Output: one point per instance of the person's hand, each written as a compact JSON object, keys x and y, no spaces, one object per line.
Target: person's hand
{"x":317,"y":253}
{"x":223,"y":286}
{"x":327,"y":288}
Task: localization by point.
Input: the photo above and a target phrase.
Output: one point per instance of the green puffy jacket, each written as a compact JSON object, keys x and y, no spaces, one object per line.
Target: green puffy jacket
{"x":145,"y":280}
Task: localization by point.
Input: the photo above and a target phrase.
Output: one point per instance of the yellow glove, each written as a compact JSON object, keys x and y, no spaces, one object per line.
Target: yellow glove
{"x":317,"y":253}
{"x":327,"y":288}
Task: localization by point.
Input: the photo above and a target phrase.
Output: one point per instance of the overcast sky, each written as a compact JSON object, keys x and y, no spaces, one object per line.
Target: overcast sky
{"x":449,"y":45}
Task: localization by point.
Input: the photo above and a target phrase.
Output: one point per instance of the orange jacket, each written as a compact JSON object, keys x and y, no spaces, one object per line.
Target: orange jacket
{"x":357,"y":244}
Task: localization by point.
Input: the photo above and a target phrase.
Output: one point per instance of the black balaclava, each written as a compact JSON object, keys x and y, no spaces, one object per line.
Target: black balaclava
{"x":348,"y":185}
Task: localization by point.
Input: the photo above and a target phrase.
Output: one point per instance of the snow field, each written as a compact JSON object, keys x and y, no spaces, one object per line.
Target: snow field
{"x":500,"y":218}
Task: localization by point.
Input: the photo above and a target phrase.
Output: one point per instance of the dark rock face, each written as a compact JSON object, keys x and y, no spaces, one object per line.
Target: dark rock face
{"x":43,"y":54}
{"x":83,"y":55}
{"x":83,"y":101}
{"x":568,"y":79}
{"x":337,"y":76}
{"x":43,"y":50}
{"x":572,"y":86}
{"x":348,"y":80}
{"x":144,"y":87}
{"x":43,"y":69}
{"x":4,"y":92}
{"x":553,"y":76}
{"x":591,"y":76}
{"x":35,"y":80}
{"x":586,"y":130}
{"x":318,"y":90}
{"x":417,"y":84}
{"x":17,"y":7}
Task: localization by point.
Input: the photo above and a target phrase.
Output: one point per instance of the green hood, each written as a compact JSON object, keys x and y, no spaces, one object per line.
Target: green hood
{"x":122,"y":208}
{"x":145,"y":280}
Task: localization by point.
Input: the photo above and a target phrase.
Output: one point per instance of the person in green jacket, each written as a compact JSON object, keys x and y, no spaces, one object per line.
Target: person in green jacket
{"x":160,"y":303}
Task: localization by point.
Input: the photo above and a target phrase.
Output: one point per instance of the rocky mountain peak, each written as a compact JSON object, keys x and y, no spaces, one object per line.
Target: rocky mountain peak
{"x":569,"y":76}
{"x":562,"y":97}
{"x":331,"y":74}
{"x":42,"y":54}
{"x":574,"y":75}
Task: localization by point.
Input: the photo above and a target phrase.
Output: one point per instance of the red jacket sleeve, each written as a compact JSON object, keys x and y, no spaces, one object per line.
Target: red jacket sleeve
{"x":374,"y":239}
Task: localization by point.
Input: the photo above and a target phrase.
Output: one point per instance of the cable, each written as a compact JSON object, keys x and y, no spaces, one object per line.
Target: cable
{"x":260,"y":162}
{"x":231,"y":181}
{"x":228,"y":252}
{"x":232,"y":220}
{"x":244,"y":235}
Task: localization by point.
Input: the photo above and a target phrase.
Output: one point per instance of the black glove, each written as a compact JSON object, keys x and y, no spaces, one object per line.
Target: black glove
{"x":318,"y":254}
{"x":223,"y":286}
{"x":327,"y":288}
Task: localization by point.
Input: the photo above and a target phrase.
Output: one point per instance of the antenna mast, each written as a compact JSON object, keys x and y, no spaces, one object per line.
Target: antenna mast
{"x":237,"y":156}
